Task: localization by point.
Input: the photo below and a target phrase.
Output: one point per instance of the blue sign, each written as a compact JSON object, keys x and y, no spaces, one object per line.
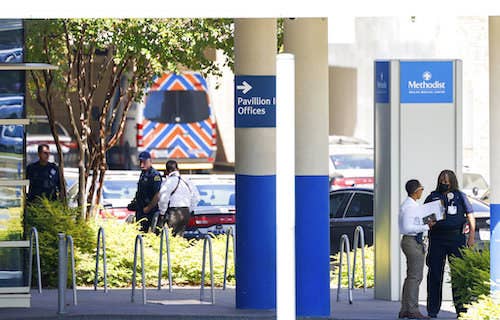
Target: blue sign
{"x":382,"y":82}
{"x":255,"y":101}
{"x":426,"y":81}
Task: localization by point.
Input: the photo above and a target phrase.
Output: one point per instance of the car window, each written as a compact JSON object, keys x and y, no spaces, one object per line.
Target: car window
{"x":216,"y":195}
{"x":13,"y":131}
{"x":176,"y":106}
{"x":338,"y":202}
{"x":361,"y":205}
{"x":352,"y":161}
{"x":119,"y":189}
{"x":43,"y":128}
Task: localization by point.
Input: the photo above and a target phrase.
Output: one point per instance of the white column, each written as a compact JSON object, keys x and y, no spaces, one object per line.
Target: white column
{"x":307,"y":40}
{"x":494,"y":43}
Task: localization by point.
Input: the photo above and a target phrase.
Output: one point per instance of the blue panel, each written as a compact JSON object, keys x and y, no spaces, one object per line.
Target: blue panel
{"x":382,"y":82}
{"x":254,"y":101}
{"x":255,"y":242}
{"x":495,"y":247}
{"x":312,"y":246}
{"x":426,"y":82}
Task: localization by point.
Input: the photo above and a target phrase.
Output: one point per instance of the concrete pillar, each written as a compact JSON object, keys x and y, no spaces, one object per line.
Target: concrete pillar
{"x":307,"y":39}
{"x":494,"y":44}
{"x":255,"y":44}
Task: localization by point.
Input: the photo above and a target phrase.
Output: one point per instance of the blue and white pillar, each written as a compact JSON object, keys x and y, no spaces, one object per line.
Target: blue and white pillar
{"x":494,"y":43}
{"x":307,"y":39}
{"x":255,"y":44}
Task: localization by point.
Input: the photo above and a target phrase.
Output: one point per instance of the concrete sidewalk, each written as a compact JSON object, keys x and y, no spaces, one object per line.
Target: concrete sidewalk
{"x":184,"y":304}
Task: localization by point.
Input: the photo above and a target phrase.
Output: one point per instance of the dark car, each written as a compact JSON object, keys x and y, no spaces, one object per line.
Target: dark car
{"x":353,"y":207}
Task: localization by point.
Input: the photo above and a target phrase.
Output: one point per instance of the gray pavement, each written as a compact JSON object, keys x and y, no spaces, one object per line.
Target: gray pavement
{"x":184,"y":304}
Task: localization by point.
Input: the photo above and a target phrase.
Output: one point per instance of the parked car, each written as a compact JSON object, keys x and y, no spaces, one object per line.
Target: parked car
{"x":11,"y":106}
{"x":351,"y":207}
{"x":11,"y":55}
{"x":351,"y":166}
{"x":474,"y":185}
{"x":38,"y":132}
{"x":118,"y":190}
{"x":216,"y":210}
{"x":11,"y":138}
{"x":214,"y":214}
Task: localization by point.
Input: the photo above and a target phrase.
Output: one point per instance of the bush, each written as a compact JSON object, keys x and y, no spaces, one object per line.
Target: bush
{"x":186,"y":258}
{"x":485,"y":308}
{"x":471,"y":273}
{"x":51,"y":218}
{"x":358,"y":276}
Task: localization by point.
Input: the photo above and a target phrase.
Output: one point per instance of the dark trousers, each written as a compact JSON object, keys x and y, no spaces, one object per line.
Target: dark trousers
{"x":439,"y":249}
{"x":144,"y":219}
{"x":178,"y":219}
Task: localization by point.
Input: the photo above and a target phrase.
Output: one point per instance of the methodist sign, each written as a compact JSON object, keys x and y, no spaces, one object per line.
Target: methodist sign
{"x":426,"y":81}
{"x":255,"y":101}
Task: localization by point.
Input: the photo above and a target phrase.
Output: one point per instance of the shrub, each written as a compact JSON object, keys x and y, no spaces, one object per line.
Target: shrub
{"x":485,"y":308}
{"x":51,"y":218}
{"x":186,"y":258}
{"x":358,"y":276}
{"x":471,"y":273}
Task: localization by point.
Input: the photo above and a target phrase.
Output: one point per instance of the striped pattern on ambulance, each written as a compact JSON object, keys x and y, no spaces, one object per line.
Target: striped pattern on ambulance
{"x":182,"y":140}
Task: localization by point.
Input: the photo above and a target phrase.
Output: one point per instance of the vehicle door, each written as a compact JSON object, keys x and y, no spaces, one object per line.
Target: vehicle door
{"x":338,"y":204}
{"x":359,"y":213}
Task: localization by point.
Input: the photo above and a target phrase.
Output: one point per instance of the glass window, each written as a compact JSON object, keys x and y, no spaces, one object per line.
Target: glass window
{"x":361,"y":205}
{"x":11,"y":82}
{"x":216,"y":195}
{"x":11,"y":41}
{"x":11,"y":106}
{"x":352,"y":161}
{"x":176,"y":106}
{"x":338,"y":202}
{"x":11,"y":211}
{"x":43,"y":128}
{"x":13,"y":271}
{"x":472,"y":180}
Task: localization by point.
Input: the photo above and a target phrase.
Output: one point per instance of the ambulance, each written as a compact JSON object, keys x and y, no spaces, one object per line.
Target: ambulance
{"x":174,"y":121}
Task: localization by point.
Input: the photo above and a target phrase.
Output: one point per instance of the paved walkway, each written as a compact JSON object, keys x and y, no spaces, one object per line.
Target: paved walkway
{"x":184,"y":304}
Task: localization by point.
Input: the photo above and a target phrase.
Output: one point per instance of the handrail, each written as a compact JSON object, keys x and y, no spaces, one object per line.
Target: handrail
{"x":229,"y":233}
{"x":164,"y":233}
{"x":65,"y":242}
{"x":34,"y":234}
{"x":100,"y":234}
{"x":209,"y":240}
{"x":138,"y":239}
{"x":344,"y":244}
{"x":69,"y":243}
{"x":359,"y":234}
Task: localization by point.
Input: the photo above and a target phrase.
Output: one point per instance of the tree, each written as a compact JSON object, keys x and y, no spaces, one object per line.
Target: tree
{"x":121,"y":56}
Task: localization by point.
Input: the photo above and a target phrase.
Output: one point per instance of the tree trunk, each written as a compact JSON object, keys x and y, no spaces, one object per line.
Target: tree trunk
{"x":82,"y":192}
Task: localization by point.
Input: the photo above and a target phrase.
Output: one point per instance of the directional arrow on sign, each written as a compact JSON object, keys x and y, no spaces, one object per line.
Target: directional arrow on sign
{"x":244,"y":87}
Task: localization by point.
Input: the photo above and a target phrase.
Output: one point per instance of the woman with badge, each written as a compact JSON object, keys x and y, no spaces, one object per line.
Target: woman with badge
{"x":446,"y":237}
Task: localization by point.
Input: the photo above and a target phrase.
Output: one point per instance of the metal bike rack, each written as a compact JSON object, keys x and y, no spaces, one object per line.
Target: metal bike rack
{"x":65,"y":242}
{"x":229,"y":233}
{"x":359,"y":234}
{"x":209,"y":240}
{"x":344,"y":244}
{"x":164,"y":233}
{"x":138,"y":240}
{"x":100,"y":235}
{"x":34,"y":235}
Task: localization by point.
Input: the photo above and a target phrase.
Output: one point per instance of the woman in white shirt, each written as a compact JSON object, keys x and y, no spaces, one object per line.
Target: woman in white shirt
{"x":412,"y":228}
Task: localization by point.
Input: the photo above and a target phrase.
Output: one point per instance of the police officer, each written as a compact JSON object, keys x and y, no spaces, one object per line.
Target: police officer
{"x":447,"y":237}
{"x":148,"y":192}
{"x":43,"y":176}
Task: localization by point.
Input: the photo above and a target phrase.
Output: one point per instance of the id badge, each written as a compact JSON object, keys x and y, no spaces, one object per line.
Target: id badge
{"x":452,"y":210}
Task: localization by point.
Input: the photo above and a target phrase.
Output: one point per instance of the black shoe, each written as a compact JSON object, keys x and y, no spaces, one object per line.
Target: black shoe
{"x":403,"y":315}
{"x":433,"y":315}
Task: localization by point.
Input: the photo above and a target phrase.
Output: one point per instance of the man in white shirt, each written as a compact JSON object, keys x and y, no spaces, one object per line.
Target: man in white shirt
{"x":412,"y":228}
{"x":178,"y":197}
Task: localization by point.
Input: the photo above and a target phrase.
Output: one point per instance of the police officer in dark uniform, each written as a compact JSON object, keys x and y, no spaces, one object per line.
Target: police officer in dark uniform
{"x":148,"y":192}
{"x":447,"y":237}
{"x":43,"y":176}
